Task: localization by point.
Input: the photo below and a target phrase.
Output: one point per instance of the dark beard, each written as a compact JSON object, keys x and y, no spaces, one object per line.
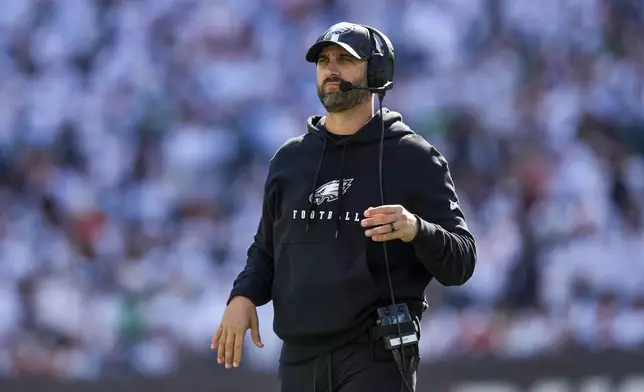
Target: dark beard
{"x":338,"y":101}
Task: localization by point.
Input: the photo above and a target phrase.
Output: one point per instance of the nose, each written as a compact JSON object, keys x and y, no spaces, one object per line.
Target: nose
{"x":332,"y":66}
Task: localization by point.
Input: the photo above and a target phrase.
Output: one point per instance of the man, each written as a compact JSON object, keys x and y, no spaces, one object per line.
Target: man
{"x":318,"y":251}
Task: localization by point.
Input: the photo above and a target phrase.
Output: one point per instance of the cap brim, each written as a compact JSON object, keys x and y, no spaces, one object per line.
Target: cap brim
{"x":314,"y":51}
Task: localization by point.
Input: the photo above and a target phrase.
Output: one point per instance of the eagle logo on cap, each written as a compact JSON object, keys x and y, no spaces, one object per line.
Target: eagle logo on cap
{"x":339,"y":29}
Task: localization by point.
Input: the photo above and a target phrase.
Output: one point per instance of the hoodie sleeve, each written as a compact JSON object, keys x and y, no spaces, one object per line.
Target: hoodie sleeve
{"x":255,"y":281}
{"x":444,"y":243}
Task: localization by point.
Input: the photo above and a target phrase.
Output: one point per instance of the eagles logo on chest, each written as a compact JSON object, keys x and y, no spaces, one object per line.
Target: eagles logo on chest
{"x":329,"y":191}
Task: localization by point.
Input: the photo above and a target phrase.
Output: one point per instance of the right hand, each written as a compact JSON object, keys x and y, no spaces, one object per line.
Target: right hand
{"x":239,"y":316}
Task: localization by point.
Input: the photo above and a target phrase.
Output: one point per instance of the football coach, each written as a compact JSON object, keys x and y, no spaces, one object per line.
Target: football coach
{"x":359,"y":215}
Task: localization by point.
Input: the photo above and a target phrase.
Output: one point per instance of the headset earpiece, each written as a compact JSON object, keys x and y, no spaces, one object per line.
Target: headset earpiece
{"x":380,"y":68}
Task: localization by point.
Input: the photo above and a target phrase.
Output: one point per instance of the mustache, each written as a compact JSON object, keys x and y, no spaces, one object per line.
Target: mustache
{"x":331,"y":80}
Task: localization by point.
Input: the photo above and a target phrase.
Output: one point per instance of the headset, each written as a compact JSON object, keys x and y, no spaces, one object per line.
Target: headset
{"x":380,"y":67}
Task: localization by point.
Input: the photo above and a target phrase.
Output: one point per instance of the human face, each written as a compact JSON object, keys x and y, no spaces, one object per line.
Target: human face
{"x":334,"y":65}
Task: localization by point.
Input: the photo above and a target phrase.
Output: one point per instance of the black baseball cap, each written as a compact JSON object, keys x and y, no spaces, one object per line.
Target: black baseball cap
{"x":354,"y":38}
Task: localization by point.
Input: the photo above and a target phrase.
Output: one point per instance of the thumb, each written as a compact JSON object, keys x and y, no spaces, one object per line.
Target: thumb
{"x":254,"y":331}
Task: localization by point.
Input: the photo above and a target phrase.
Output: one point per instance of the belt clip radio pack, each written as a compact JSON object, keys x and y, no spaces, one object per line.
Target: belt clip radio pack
{"x":389,"y":319}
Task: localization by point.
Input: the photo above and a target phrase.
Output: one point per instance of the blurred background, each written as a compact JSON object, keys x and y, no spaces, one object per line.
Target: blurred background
{"x":134,"y":142}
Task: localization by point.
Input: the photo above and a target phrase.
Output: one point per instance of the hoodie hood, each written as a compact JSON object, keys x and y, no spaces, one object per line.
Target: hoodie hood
{"x":369,"y":133}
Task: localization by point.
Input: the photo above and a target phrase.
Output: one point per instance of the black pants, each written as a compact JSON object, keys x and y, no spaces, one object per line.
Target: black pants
{"x":351,"y":368}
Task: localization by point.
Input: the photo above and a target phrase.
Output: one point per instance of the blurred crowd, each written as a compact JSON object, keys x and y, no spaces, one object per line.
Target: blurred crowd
{"x":135,"y":135}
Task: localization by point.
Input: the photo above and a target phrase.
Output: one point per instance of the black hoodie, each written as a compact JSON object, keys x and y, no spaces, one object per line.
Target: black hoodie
{"x":310,"y":255}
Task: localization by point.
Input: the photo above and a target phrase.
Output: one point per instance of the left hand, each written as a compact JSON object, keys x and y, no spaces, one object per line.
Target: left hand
{"x":404,"y":223}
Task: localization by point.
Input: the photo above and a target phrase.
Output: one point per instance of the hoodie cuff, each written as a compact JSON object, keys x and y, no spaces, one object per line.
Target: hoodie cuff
{"x":240,"y":293}
{"x":427,"y":240}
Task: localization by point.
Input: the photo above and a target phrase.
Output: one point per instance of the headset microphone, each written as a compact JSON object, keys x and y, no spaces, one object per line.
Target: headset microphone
{"x":347,"y":86}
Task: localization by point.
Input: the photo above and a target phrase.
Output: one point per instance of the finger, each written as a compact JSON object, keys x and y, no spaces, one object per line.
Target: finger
{"x":388,"y":237}
{"x":220,"y":350}
{"x":388,"y":209}
{"x":215,"y":339}
{"x":384,"y":229}
{"x":378,"y":220}
{"x":385,"y":237}
{"x":230,"y":348}
{"x":239,"y":346}
{"x":254,"y":332}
